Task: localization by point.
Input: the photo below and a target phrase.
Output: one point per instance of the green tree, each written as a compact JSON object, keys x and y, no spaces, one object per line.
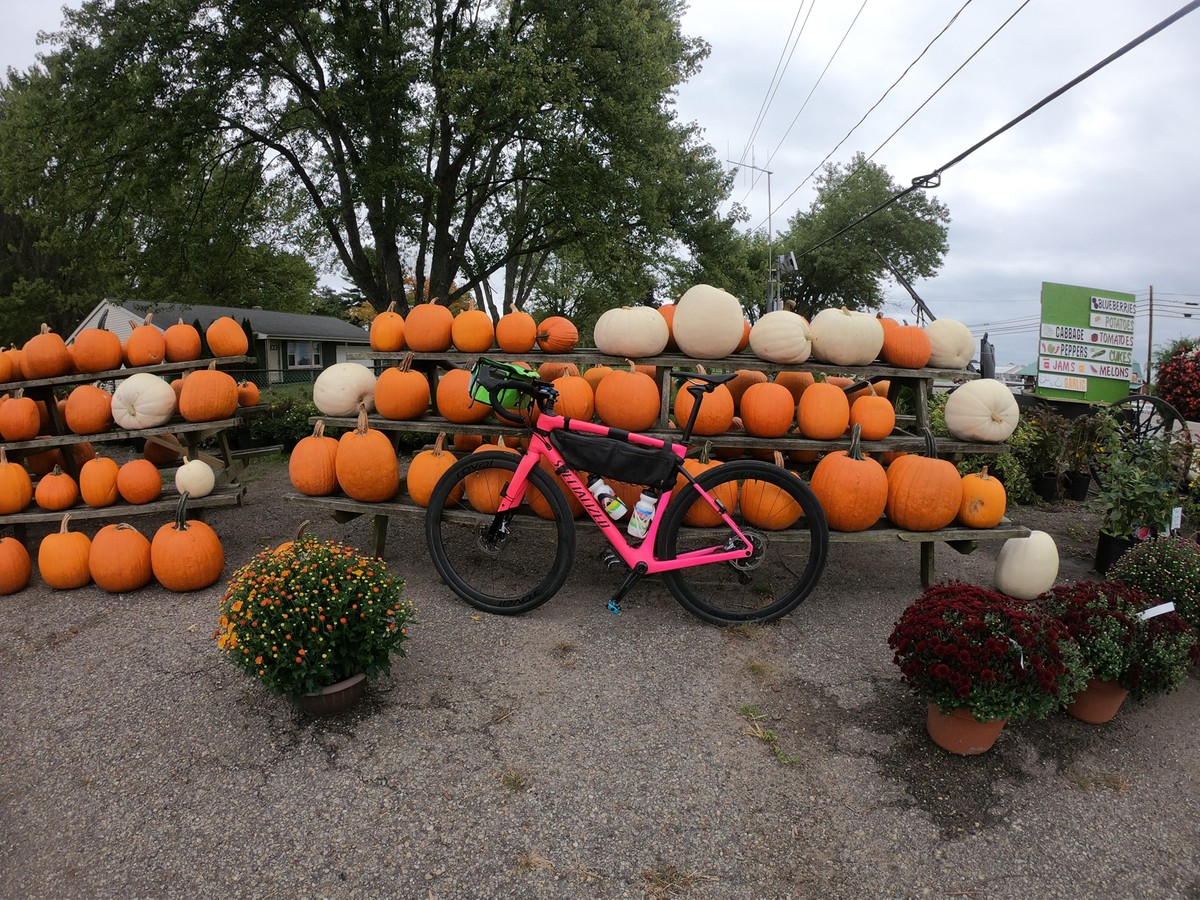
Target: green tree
{"x":850,"y":269}
{"x":434,"y":145}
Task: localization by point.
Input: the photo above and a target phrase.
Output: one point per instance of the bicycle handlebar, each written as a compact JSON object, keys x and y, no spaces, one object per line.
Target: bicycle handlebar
{"x":539,"y":392}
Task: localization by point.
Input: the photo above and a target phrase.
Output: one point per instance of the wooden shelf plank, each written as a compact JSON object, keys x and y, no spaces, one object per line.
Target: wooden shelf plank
{"x":229,"y":495}
{"x":122,"y":373}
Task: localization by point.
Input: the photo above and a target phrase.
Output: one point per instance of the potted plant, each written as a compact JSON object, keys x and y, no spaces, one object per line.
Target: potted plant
{"x":1046,"y":454}
{"x":978,"y":659}
{"x":312,"y":620}
{"x":1137,"y":491}
{"x":1123,"y":653}
{"x":1168,"y":569}
{"x":1080,"y":443}
{"x":1178,"y":377}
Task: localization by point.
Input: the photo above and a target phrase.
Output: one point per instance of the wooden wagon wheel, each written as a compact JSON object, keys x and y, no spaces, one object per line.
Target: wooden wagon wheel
{"x":1141,"y":418}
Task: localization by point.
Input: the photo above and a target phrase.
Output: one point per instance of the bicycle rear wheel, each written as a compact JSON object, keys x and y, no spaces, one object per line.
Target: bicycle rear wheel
{"x":507,"y":570}
{"x":784,"y":521}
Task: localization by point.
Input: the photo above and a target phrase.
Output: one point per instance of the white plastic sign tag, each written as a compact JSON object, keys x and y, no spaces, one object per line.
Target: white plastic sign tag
{"x":1161,"y":609}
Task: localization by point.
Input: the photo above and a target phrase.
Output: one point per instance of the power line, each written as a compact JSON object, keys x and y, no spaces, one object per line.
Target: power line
{"x":875,"y":105}
{"x":777,"y":75}
{"x":820,"y":77}
{"x":934,"y":178}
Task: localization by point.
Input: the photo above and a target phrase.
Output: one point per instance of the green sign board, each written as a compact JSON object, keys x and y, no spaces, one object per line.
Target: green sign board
{"x":1085,"y":348}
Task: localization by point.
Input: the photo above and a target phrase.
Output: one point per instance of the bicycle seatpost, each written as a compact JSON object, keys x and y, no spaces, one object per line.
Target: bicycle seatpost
{"x":699,"y":385}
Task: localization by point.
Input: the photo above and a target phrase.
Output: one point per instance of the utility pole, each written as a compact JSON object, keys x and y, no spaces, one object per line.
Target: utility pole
{"x":1149,"y":345}
{"x":770,"y":232}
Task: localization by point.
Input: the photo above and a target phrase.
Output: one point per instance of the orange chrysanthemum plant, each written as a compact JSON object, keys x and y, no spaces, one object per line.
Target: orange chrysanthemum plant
{"x":312,"y":613}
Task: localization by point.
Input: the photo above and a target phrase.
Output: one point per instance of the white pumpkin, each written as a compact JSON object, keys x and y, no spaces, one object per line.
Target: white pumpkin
{"x":196,"y":477}
{"x":708,"y":322}
{"x":1027,"y":566}
{"x":340,"y":388}
{"x":631,"y":332}
{"x":951,"y":342}
{"x":142,"y":400}
{"x":983,"y":410}
{"x":781,"y":336}
{"x":846,"y":337}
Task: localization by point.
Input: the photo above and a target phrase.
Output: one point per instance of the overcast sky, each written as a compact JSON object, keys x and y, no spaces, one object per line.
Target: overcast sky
{"x":1101,"y":188}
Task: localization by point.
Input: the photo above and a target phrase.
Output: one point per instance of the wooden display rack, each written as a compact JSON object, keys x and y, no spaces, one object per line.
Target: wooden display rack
{"x":227,"y":466}
{"x":908,"y":437}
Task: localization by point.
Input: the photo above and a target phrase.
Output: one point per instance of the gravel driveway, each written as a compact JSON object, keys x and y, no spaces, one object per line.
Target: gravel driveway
{"x":565,"y":753}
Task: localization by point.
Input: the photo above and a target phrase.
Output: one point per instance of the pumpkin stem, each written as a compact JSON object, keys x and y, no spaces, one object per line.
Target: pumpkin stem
{"x":632,"y":364}
{"x":408,"y":357}
{"x":930,"y":445}
{"x":63,"y":528}
{"x":45,"y":328}
{"x":304,"y":524}
{"x":439,"y":443}
{"x":856,"y":451}
{"x":706,"y":452}
{"x":57,"y":470}
{"x":391,"y":307}
{"x":361,"y":426}
{"x":779,"y":458}
{"x":180,"y":513}
{"x":983,"y":473}
{"x":319,"y":428}
{"x":149,"y":316}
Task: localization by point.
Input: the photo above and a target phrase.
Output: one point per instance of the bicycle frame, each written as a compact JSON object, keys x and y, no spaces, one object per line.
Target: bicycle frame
{"x":634,"y":556}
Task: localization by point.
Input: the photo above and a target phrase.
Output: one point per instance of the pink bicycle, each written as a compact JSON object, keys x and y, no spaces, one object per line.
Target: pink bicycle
{"x":756,"y":550}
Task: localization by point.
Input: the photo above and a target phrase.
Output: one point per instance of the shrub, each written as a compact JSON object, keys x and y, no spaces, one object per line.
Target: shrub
{"x":1168,"y":569}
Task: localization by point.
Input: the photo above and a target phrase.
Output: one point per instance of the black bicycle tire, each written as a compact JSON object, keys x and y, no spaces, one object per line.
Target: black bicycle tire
{"x":563,"y":522}
{"x":740,"y":470}
{"x":1168,"y":415}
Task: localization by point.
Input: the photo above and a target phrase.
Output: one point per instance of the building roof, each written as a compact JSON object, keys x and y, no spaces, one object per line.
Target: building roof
{"x":265,"y":323}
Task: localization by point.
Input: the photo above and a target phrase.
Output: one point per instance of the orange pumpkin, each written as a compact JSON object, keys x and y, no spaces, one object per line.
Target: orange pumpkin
{"x":16,"y":487}
{"x":56,"y":491}
{"x":823,"y":412}
{"x":162,"y":449}
{"x":700,"y":514}
{"x":366,"y":464}
{"x":767,"y":409}
{"x":984,"y":500}
{"x":852,"y":487}
{"x":556,"y":368}
{"x":63,"y":558}
{"x":454,"y":401}
{"x":182,"y":342}
{"x":19,"y":418}
{"x":119,"y":559}
{"x":98,"y":481}
{"x":226,"y":337}
{"x":576,"y":399}
{"x":312,"y":465}
{"x":6,"y":372}
{"x":15,"y":566}
{"x":629,"y":399}
{"x":875,"y":416}
{"x":516,"y":332}
{"x":402,"y":394}
{"x":716,"y":408}
{"x":594,"y":374}
{"x":667,"y":311}
{"x":429,"y":327}
{"x":745,"y":341}
{"x":45,"y":355}
{"x":88,"y":410}
{"x":765,"y":505}
{"x":557,"y":334}
{"x":145,"y":345}
{"x":472,"y":330}
{"x":186,"y":555}
{"x":541,"y":506}
{"x":906,"y":347}
{"x":467,"y":443}
{"x":484,"y":487}
{"x":924,"y":492}
{"x":742,"y":379}
{"x":387,"y":331}
{"x":96,"y":350}
{"x":426,"y":468}
{"x":139,"y":481}
{"x":208,"y":395}
{"x":247,"y":394}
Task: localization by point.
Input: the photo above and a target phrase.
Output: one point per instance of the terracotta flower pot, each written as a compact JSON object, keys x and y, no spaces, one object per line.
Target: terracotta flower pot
{"x":1098,"y":702}
{"x":336,"y":698}
{"x":960,"y":732}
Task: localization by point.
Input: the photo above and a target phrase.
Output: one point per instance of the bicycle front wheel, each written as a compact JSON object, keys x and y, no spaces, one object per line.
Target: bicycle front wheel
{"x":784,"y":522}
{"x":501,"y":563}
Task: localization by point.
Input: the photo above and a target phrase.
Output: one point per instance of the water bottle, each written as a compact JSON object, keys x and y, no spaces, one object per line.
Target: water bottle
{"x":643,"y":514}
{"x":607,"y":498}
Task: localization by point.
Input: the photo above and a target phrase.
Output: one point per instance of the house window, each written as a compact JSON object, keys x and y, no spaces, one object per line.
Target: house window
{"x":303,"y":355}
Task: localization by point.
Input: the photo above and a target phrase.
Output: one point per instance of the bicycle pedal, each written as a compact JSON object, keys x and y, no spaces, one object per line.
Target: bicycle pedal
{"x":614,"y":607}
